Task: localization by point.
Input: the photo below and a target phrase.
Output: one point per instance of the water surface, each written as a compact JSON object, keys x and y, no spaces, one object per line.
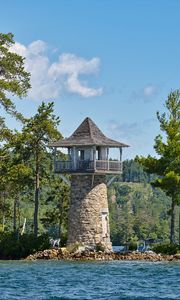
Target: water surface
{"x":89,"y":280}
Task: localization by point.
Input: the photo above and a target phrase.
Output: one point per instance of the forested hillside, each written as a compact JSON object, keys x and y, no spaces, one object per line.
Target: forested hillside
{"x":138,"y":211}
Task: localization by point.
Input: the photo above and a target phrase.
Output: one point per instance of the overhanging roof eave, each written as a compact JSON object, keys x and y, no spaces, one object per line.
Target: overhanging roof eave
{"x":66,"y":145}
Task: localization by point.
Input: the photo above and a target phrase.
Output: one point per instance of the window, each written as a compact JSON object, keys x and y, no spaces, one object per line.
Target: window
{"x":81,"y":154}
{"x":98,"y":156}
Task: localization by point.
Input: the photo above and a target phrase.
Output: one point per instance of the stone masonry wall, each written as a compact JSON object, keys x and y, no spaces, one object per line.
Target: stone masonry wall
{"x":88,"y":215}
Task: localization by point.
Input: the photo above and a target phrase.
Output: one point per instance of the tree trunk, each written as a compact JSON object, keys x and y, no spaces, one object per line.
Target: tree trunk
{"x":24,"y":226}
{"x":19,"y":217}
{"x":3,"y":223}
{"x":172,"y":237}
{"x":179,"y":227}
{"x":3,"y":213}
{"x":60,"y":215}
{"x":36,"y":199}
{"x":15,"y":216}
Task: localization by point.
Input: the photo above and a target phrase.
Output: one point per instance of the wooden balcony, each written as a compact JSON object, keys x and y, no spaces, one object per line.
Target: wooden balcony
{"x":88,"y":166}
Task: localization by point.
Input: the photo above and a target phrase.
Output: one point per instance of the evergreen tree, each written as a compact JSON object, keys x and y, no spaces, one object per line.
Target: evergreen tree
{"x":167,"y":166}
{"x":15,"y":175}
{"x":55,"y":219}
{"x":37,"y":133}
{"x":13,"y":77}
{"x":14,"y":80}
{"x":137,"y":211}
{"x":133,"y":172}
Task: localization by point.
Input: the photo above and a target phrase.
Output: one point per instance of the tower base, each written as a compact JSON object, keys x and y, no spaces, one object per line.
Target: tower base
{"x":89,"y":214}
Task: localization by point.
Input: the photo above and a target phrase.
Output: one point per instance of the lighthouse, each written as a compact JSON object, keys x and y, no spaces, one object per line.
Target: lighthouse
{"x":89,"y":163}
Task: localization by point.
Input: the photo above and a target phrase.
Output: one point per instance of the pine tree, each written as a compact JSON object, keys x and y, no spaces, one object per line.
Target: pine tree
{"x":13,"y":77}
{"x":167,"y":165}
{"x":37,"y":133}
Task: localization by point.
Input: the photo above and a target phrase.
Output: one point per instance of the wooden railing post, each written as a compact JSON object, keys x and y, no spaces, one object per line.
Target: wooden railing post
{"x":120,"y":153}
{"x":74,"y":158}
{"x":94,"y":157}
{"x":108,"y":159}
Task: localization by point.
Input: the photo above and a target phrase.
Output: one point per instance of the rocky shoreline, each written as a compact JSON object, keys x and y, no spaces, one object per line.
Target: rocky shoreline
{"x":86,"y":255}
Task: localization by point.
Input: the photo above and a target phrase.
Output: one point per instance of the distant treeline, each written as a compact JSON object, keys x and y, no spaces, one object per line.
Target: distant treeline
{"x":137,"y":210}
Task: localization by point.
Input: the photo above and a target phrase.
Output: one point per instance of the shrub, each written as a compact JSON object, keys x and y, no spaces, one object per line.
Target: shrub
{"x":166,"y":248}
{"x":132,"y":246}
{"x":73,"y":247}
{"x":100,"y":247}
{"x":12,"y":247}
{"x":63,"y":241}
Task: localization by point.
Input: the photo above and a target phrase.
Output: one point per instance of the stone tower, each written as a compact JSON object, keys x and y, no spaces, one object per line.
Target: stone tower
{"x":88,"y":163}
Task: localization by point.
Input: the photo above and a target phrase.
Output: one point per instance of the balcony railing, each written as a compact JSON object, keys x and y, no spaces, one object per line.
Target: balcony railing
{"x":68,"y":166}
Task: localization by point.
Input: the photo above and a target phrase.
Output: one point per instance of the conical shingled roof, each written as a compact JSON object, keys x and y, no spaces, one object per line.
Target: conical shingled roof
{"x":87,"y":134}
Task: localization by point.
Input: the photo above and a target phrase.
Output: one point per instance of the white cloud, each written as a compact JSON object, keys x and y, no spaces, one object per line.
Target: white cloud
{"x":146,"y":93}
{"x":73,"y":66}
{"x":37,"y":47}
{"x":49,"y":79}
{"x":149,"y":90}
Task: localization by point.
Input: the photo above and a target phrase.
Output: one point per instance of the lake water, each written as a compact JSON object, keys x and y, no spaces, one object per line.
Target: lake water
{"x":89,"y":280}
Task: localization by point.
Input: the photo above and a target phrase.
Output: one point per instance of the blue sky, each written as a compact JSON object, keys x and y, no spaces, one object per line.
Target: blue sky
{"x":114,"y":61}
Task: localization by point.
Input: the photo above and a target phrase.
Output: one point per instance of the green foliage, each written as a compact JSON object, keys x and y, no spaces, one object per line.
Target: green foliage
{"x":166,"y":248}
{"x":137,"y":211}
{"x":41,"y":129}
{"x":122,"y":191}
{"x":167,"y":166}
{"x":171,"y":184}
{"x":13,"y":77}
{"x":133,"y":172}
{"x":132,"y":246}
{"x":64,"y":237}
{"x":12,"y":247}
{"x":73,"y":247}
{"x":37,"y":133}
{"x":27,"y":159}
{"x":100,"y":247}
{"x":56,"y":204}
{"x":14,"y":80}
{"x":5,"y":135}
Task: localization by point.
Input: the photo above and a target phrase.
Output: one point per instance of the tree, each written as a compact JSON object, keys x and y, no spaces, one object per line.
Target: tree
{"x":13,"y":77}
{"x":167,"y":165}
{"x":137,"y":211}
{"x":37,"y":133}
{"x":13,"y":80}
{"x":18,"y":176}
{"x":133,"y":172}
{"x":55,"y":219}
{"x":15,"y":175}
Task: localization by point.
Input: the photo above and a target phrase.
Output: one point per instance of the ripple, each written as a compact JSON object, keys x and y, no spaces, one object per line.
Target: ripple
{"x":46,"y":280}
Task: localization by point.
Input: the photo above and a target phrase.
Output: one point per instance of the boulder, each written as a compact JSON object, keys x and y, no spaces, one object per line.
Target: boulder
{"x":177,"y":256}
{"x":84,"y":253}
